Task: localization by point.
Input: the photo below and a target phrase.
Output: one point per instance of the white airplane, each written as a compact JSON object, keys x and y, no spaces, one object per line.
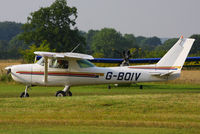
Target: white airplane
{"x":72,"y":69}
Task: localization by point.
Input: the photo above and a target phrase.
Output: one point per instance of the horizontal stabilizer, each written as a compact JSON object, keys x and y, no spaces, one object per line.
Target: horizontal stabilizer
{"x":161,"y":75}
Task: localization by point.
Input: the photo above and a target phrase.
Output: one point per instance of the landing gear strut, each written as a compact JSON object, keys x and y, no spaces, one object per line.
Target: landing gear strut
{"x":25,"y":93}
{"x":64,"y":92}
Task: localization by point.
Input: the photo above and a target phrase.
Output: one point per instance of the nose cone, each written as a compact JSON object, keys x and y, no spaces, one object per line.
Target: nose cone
{"x":21,"y":73}
{"x":8,"y":69}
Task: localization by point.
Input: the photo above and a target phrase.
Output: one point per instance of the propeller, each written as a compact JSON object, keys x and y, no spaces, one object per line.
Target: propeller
{"x":8,"y":69}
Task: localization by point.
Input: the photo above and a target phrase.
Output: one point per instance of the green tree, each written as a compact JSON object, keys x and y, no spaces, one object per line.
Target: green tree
{"x":9,"y":29}
{"x":28,"y":54}
{"x":130,"y":38}
{"x":134,"y":49}
{"x":139,"y":39}
{"x":107,"y":41}
{"x":150,"y":43}
{"x":89,"y":38}
{"x":14,"y":46}
{"x":195,"y":50}
{"x":3,"y":49}
{"x":98,"y":55}
{"x":56,"y":25}
{"x":167,"y":44}
{"x":162,"y":49}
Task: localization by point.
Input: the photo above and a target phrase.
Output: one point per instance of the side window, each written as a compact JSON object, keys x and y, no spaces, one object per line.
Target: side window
{"x":58,"y":63}
{"x":84,"y":63}
{"x":62,"y":64}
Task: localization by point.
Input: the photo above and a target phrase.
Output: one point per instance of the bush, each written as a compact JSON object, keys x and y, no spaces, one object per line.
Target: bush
{"x":28,"y":54}
{"x":4,"y":77}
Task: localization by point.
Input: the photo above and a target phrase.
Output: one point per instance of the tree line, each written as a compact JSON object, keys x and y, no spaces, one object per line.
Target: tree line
{"x":54,"y":28}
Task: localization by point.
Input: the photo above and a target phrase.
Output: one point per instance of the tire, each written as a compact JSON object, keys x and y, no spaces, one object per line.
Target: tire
{"x":69,"y":93}
{"x":23,"y":95}
{"x":60,"y":94}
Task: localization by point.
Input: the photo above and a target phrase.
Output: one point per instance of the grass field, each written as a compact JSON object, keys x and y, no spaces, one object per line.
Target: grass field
{"x":158,"y":108}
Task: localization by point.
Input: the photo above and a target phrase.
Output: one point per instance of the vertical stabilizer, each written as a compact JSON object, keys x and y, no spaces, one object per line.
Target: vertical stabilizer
{"x":177,"y":55}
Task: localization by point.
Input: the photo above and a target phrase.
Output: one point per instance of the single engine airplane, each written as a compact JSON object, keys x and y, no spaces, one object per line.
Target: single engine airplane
{"x":72,"y":69}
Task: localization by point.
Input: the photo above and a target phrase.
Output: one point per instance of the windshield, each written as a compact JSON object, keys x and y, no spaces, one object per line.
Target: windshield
{"x":41,"y":61}
{"x":85,"y":64}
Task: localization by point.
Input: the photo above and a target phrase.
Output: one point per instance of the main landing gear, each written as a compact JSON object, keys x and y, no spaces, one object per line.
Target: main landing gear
{"x":60,"y":93}
{"x":64,"y":92}
{"x":25,"y":93}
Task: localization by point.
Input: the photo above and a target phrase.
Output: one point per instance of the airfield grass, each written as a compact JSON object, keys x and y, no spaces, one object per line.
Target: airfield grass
{"x":159,"y":108}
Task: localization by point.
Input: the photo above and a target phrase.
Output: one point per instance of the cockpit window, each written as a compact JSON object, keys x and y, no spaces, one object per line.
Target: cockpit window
{"x":85,"y":63}
{"x":54,"y":63}
{"x":58,"y":63}
{"x":62,"y":64}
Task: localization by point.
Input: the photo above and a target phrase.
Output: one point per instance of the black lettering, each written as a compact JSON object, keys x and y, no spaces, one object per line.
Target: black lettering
{"x":132,"y":76}
{"x":137,"y":76}
{"x":114,"y":75}
{"x":120,"y":76}
{"x":109,"y":75}
{"x":127,"y":76}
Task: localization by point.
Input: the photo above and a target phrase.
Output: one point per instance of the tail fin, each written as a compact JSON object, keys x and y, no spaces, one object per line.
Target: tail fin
{"x":177,"y":55}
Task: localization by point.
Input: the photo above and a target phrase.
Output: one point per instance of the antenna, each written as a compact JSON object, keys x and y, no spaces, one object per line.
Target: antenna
{"x":75,"y":48}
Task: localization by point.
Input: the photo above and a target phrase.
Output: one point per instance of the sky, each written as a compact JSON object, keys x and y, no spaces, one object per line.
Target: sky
{"x":161,"y":18}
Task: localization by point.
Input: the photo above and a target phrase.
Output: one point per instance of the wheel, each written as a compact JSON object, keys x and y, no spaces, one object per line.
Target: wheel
{"x":60,"y":94}
{"x":23,"y":95}
{"x":69,"y":93}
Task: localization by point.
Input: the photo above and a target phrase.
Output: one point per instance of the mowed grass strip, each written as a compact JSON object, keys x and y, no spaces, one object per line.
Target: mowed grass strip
{"x":156,"y":108}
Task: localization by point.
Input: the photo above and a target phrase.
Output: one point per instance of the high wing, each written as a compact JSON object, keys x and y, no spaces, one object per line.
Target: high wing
{"x":47,"y":55}
{"x":64,"y":55}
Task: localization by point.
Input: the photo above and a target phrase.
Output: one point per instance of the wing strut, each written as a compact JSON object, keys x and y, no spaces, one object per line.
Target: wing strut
{"x":45,"y":70}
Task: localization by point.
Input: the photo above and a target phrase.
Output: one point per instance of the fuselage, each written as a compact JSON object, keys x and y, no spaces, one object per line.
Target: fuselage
{"x":71,"y":69}
{"x":78,"y":72}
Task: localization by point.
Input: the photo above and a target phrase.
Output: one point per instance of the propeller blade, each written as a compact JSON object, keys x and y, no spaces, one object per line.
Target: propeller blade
{"x":8,"y":69}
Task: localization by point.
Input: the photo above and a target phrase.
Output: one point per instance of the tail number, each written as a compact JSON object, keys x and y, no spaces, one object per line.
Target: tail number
{"x":123,"y":76}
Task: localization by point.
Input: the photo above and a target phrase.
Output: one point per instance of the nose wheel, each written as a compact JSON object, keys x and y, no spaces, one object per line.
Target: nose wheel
{"x":64,"y":92}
